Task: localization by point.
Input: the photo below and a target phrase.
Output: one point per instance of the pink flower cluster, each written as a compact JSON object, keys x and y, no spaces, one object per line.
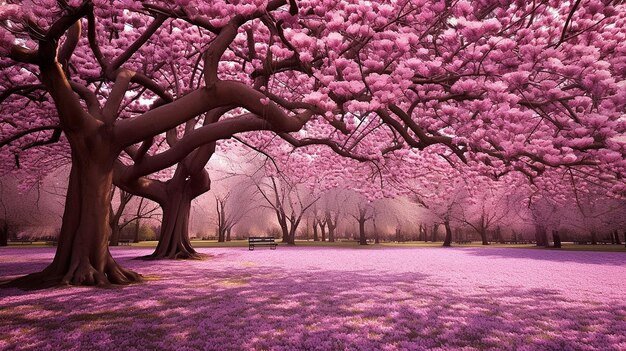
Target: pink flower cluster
{"x":329,"y":299}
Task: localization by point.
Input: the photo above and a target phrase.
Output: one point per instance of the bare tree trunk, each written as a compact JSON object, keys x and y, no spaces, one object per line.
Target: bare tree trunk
{"x":115,"y":233}
{"x":376,"y":235}
{"x":331,"y":227}
{"x":541,"y":236}
{"x":617,"y":240}
{"x":228,"y":233}
{"x":285,"y":232}
{"x":499,"y":235}
{"x":137,"y":230}
{"x":4,"y":233}
{"x":594,"y":238}
{"x":556,"y":238}
{"x":434,"y":236}
{"x":315,"y":235}
{"x":323,"y":228}
{"x":138,"y":222}
{"x":221,"y":221}
{"x":448,"y":240}
{"x":331,"y":233}
{"x":292,"y":236}
{"x":362,"y":238}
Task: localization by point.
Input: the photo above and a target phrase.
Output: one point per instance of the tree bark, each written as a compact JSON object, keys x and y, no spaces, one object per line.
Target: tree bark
{"x":285,"y":231}
{"x":228,"y":231}
{"x":541,"y":236}
{"x":331,"y":227}
{"x":448,"y":240}
{"x":82,"y":256}
{"x":362,"y":238}
{"x":4,"y":233}
{"x":556,"y":238}
{"x":315,"y":235}
{"x":174,"y":240}
{"x":323,"y":229}
{"x":594,"y":238}
{"x":115,"y":233}
{"x":136,"y":230}
{"x":499,"y":236}
{"x":138,"y":222}
{"x":434,"y":236}
{"x":331,"y":233}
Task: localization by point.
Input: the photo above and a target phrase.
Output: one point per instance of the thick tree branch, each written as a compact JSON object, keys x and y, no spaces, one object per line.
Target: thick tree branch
{"x":116,"y":96}
{"x":201,"y":136}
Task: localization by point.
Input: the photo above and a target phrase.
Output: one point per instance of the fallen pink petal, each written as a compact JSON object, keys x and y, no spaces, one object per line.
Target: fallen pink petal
{"x":324,"y":299}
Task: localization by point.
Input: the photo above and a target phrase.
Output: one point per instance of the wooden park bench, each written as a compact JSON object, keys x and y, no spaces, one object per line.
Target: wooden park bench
{"x":463,"y":241}
{"x":124,"y":242}
{"x":261,"y":241}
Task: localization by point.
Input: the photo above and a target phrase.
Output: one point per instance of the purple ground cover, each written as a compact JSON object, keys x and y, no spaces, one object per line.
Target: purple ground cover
{"x":329,"y":299}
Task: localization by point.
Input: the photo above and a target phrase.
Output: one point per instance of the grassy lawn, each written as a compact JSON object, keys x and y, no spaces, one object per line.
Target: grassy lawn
{"x":355,"y":245}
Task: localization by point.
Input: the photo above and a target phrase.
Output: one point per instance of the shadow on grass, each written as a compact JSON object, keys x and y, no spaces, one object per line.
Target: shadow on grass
{"x":269,"y":308}
{"x":587,"y":257}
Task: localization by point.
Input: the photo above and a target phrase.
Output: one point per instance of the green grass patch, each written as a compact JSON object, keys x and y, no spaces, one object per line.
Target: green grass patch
{"x":355,"y":245}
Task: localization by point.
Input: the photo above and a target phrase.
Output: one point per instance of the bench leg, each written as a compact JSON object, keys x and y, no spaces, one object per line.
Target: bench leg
{"x":250,"y":248}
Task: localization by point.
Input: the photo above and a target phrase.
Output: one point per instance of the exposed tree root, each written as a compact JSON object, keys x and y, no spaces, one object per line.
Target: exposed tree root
{"x":178,"y":255}
{"x":81,"y":273}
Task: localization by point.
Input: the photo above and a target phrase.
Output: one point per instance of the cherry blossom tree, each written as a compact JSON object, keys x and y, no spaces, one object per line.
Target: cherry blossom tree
{"x":56,"y":46}
{"x":504,"y":87}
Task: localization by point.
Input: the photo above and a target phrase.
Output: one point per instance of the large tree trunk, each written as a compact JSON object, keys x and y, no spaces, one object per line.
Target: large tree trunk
{"x":82,"y":256}
{"x":4,"y":233}
{"x":594,"y":238}
{"x":556,"y":238}
{"x":228,"y":231}
{"x":315,"y":235}
{"x":434,"y":236}
{"x":541,"y":236}
{"x":331,"y":227}
{"x":331,"y":233}
{"x":448,"y":240}
{"x":617,"y":240}
{"x":221,"y":234}
{"x":136,"y":230}
{"x":292,"y":236}
{"x":499,"y":236}
{"x":115,"y":233}
{"x":174,"y":240}
{"x":285,"y":232}
{"x":362,"y":238}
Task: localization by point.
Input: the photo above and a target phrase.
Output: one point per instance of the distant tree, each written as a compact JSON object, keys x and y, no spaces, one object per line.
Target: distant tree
{"x":363,"y":212}
{"x":289,"y":202}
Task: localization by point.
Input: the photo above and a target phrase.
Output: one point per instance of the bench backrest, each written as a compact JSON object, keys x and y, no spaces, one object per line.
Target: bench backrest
{"x":261,"y":239}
